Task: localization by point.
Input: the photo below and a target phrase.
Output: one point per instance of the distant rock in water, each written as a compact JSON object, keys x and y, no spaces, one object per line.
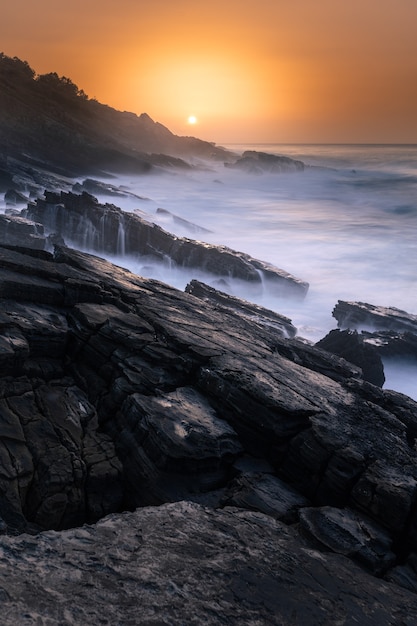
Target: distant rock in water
{"x":106,"y":229}
{"x":394,"y":336}
{"x":262,"y":162}
{"x":192,"y":228}
{"x":353,"y":347}
{"x":360,"y":315}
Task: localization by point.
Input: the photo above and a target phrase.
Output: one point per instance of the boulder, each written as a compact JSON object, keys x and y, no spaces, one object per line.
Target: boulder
{"x":19,"y":231}
{"x":353,"y":347}
{"x":255,"y":162}
{"x":360,"y":315}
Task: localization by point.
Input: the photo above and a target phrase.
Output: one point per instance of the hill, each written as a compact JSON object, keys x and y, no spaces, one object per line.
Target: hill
{"x":46,"y":119}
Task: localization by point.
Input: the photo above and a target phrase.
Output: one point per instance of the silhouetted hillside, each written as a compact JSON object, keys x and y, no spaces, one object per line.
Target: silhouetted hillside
{"x":48,"y":119}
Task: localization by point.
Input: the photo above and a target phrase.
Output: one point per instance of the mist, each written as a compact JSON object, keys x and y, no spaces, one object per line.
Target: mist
{"x":348,"y":226}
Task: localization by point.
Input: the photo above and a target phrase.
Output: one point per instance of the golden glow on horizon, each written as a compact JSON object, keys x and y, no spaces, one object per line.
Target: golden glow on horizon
{"x":192,"y":119}
{"x":264,"y":71}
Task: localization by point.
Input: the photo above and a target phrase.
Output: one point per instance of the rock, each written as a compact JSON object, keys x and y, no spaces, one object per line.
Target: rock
{"x":354,"y":348}
{"x":347,"y":532}
{"x":92,"y":186}
{"x":359,"y":315}
{"x":267,"y":494}
{"x":405,"y":575}
{"x":181,"y":445}
{"x":180,"y":564}
{"x":13,"y":198}
{"x":252,"y":312}
{"x":175,"y":219}
{"x":261,"y":162}
{"x":19,"y":231}
{"x":117,"y":391}
{"x":394,"y":336}
{"x":88,"y":225}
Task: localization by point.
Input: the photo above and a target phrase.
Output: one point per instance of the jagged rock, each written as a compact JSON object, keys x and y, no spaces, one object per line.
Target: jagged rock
{"x":405,"y":575}
{"x":252,"y":312}
{"x":105,"y":229}
{"x":391,"y":343}
{"x":267,"y":494}
{"x":19,"y":231}
{"x":183,"y":564}
{"x":347,"y":532}
{"x":103,"y":370}
{"x":13,"y":197}
{"x":352,"y":346}
{"x":193,"y":228}
{"x":260,"y":162}
{"x":360,"y":315}
{"x":394,"y":335}
{"x":92,"y":186}
{"x":180,"y":445}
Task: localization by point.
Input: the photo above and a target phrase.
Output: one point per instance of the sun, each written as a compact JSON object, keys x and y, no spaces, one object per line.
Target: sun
{"x":192,"y":119}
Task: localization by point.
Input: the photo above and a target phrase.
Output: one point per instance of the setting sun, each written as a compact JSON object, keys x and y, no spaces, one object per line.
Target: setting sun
{"x":192,"y":119}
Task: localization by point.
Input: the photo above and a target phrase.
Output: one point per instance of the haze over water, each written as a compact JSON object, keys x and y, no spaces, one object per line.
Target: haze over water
{"x":348,"y":226}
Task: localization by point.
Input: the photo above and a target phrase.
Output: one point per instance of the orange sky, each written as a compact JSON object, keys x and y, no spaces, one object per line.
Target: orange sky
{"x":301,"y":71}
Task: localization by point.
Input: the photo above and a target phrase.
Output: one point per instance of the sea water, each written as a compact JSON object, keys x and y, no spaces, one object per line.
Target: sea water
{"x":347,"y":225}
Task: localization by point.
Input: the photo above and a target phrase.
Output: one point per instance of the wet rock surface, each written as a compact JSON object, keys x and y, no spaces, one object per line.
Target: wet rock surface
{"x":353,"y":347}
{"x":368,"y":335}
{"x":106,"y":229}
{"x":361,"y":315}
{"x":118,"y":392}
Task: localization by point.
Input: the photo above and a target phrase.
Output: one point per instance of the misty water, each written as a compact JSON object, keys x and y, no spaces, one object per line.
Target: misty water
{"x":348,"y":226}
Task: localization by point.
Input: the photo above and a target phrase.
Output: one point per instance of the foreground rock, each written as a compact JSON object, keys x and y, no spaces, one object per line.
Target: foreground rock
{"x":105,"y":229}
{"x":183,"y":564}
{"x":118,"y":392}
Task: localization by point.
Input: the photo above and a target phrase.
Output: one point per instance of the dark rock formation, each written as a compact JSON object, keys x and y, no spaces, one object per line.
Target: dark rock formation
{"x":118,"y":392}
{"x":98,"y":187}
{"x":252,"y":312}
{"x":105,"y":229}
{"x":354,"y":348}
{"x":193,"y":228}
{"x":347,"y":532}
{"x":394,"y":336}
{"x":363,"y":316}
{"x":19,"y":231}
{"x":255,"y":162}
{"x":183,"y":564}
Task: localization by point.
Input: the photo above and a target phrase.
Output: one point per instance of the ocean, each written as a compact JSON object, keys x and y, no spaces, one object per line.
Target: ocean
{"x":348,"y":226}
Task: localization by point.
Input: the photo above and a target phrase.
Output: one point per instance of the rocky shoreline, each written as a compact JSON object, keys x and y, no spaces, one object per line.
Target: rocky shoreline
{"x":119,"y":392}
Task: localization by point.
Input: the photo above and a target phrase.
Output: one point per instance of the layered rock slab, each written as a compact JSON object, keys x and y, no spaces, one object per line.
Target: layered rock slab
{"x":182,"y":563}
{"x":105,"y":229}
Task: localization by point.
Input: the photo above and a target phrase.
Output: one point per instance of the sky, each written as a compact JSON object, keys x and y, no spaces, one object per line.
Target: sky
{"x":249,"y":71}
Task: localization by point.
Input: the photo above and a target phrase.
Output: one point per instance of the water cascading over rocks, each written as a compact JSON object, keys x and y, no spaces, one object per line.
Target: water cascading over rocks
{"x":105,"y":229}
